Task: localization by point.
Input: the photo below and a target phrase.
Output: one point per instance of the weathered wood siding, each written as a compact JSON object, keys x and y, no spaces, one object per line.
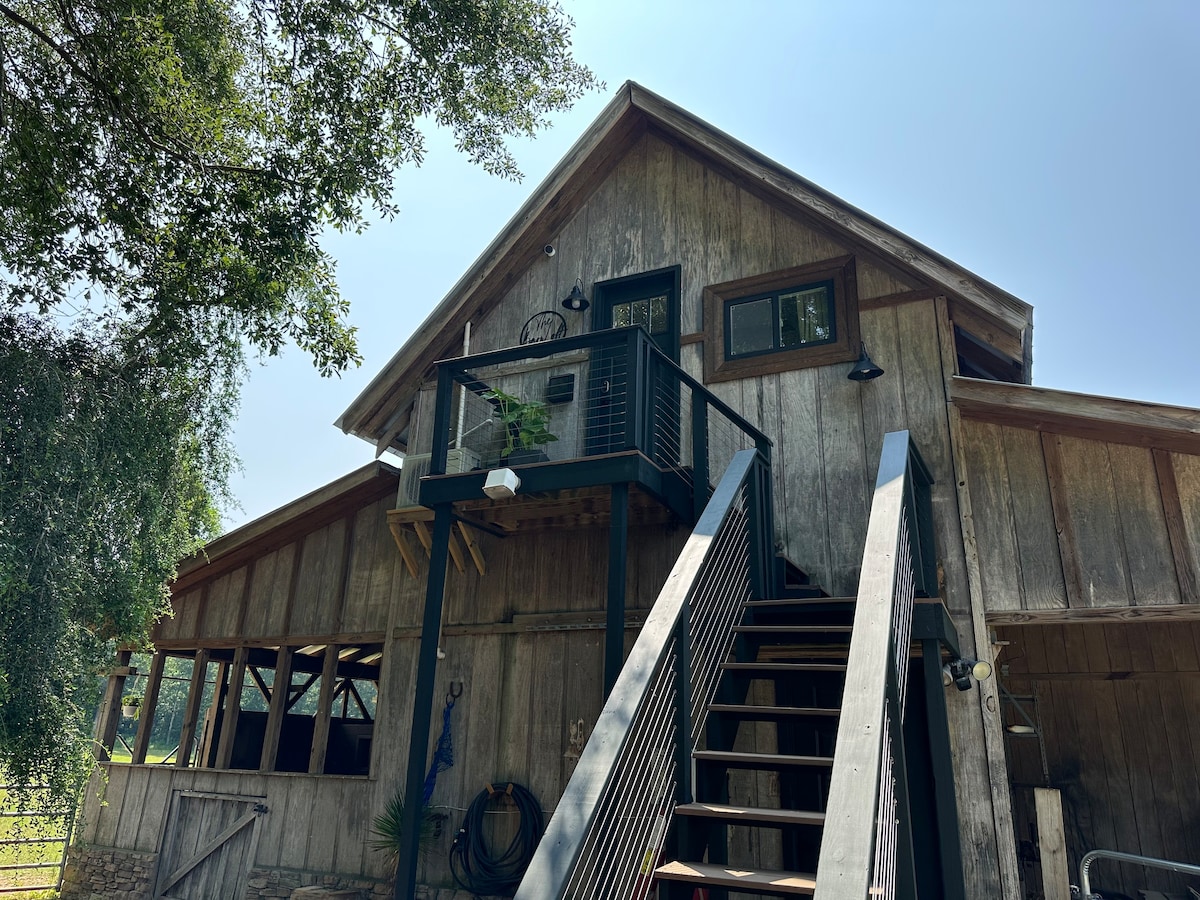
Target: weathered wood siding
{"x":661,"y":207}
{"x":1119,"y":707}
{"x":526,"y":678}
{"x":316,"y":824}
{"x":338,"y":579}
{"x":1070,"y":523}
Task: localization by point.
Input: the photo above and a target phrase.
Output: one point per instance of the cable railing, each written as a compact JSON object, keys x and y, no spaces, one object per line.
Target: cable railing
{"x":866,"y":846}
{"x":607,"y":392}
{"x":608,"y":831}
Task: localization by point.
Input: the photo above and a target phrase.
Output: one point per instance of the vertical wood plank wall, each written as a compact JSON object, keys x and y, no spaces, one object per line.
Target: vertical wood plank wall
{"x":659,"y":207}
{"x":1119,"y":707}
{"x":1068,"y":523}
{"x":662,"y":207}
{"x":522,"y":689}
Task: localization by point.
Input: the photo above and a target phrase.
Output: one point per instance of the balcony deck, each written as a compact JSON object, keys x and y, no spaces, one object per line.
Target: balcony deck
{"x":563,"y":494}
{"x":614,"y":412}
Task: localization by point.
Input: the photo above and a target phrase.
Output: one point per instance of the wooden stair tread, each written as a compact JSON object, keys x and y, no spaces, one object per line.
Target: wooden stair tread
{"x":783,"y":667}
{"x":749,"y":709}
{"x":799,"y":601}
{"x":793,"y":629}
{"x":740,"y":878}
{"x":761,"y":760}
{"x":738,"y":815}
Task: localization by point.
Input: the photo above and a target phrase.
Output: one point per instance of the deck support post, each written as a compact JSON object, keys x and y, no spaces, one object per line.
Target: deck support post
{"x":618,"y":552}
{"x":418,"y":748}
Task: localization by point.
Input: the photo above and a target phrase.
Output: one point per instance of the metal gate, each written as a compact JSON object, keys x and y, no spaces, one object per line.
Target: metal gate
{"x":208,"y":846}
{"x":33,"y":841}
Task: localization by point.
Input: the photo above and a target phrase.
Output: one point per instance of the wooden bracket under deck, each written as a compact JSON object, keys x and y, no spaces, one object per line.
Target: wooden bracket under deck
{"x":401,"y":522}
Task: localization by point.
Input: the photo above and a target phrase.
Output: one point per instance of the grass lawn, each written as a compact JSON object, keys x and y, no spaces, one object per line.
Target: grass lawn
{"x":44,"y":850}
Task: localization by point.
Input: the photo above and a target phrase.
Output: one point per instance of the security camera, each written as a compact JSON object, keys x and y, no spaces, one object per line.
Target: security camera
{"x":548,"y":249}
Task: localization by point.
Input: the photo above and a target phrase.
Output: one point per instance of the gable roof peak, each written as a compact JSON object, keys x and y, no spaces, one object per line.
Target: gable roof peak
{"x":381,"y":411}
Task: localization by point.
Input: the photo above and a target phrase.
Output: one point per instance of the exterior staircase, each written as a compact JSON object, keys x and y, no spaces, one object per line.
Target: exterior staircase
{"x":711,"y":771}
{"x":786,"y":671}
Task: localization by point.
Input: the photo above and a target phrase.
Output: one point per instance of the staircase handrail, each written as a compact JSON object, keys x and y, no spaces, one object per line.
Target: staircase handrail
{"x":635,"y":755}
{"x":866,"y":846}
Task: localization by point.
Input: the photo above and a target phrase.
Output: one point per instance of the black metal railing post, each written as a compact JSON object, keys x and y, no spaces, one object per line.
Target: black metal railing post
{"x":418,"y":745}
{"x":761,"y":541}
{"x":683,"y":706}
{"x":919,"y":502}
{"x":441,"y":421}
{"x":906,"y":875}
{"x":700,"y":475}
{"x":635,"y":391}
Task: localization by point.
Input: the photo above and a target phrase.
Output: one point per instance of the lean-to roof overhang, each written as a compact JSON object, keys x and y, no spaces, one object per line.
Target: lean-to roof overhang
{"x":1135,"y":422}
{"x":381,"y":411}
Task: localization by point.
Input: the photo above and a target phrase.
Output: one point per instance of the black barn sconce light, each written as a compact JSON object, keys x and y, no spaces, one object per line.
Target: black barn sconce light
{"x":575,"y":300}
{"x":865,"y":369}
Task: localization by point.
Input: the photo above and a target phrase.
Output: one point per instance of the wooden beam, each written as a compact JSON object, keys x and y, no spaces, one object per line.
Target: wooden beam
{"x":1082,"y":415}
{"x":233,"y":708}
{"x":214,"y":711}
{"x":191,"y":711}
{"x":866,"y":303}
{"x":995,"y":770}
{"x":1178,"y":612}
{"x":272,"y":641}
{"x":469,"y":540}
{"x":282,"y":689}
{"x":320,"y":741}
{"x":1168,"y":488}
{"x":108,"y":715}
{"x":1052,"y":844}
{"x":141,"y":743}
{"x":406,"y":554}
{"x":1127,"y":675}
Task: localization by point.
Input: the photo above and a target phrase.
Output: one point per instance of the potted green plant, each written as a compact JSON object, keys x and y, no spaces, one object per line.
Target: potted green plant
{"x":525,"y":427}
{"x":130,"y":706}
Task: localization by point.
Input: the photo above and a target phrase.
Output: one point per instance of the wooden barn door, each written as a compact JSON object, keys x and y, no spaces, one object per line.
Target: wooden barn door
{"x":208,"y":846}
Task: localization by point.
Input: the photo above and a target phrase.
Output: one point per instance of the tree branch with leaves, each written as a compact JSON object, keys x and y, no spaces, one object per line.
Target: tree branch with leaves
{"x":170,"y":167}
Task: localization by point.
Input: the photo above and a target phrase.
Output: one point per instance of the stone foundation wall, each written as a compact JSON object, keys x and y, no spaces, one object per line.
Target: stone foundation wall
{"x":275,"y":884}
{"x":107,"y":875}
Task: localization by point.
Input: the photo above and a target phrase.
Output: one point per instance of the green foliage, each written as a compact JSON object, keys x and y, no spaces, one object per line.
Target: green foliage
{"x":169,"y":167}
{"x":387,"y":830}
{"x":182,"y":157}
{"x":525,"y":423}
{"x":109,"y":463}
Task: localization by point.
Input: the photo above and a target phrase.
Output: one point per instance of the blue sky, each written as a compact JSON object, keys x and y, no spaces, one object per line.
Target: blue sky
{"x":1050,"y":147}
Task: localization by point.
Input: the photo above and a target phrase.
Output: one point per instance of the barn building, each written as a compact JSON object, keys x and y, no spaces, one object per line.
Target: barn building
{"x":712,"y":483}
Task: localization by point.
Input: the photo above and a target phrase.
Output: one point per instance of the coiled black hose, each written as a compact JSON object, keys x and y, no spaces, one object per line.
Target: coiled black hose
{"x":472,"y":862}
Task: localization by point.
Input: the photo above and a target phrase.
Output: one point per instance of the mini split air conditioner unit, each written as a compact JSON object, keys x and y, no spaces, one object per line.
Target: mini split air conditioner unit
{"x":416,"y":467}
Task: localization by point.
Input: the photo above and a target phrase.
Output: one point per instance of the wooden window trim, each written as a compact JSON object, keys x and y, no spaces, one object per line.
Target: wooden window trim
{"x":845,"y":304}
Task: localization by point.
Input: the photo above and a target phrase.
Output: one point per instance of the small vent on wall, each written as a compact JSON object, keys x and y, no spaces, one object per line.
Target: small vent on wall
{"x":416,"y":467}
